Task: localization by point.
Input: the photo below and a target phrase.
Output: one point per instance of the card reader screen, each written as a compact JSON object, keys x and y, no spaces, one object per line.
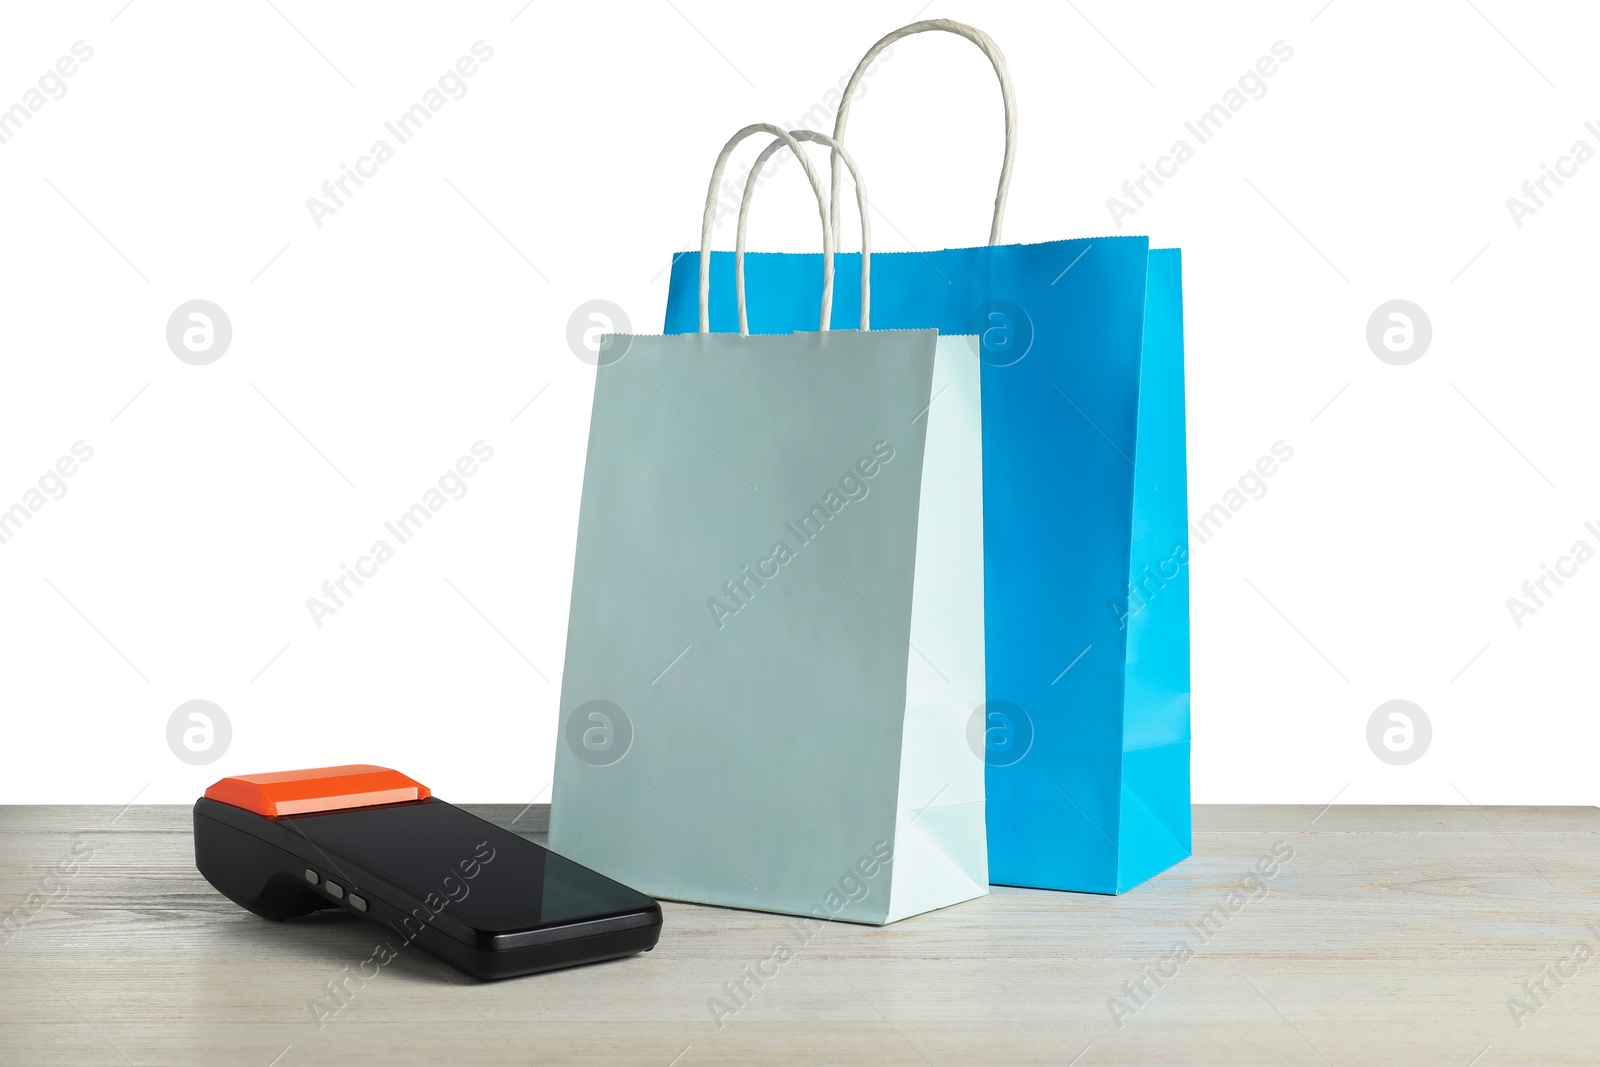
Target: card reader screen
{"x":492,"y":879}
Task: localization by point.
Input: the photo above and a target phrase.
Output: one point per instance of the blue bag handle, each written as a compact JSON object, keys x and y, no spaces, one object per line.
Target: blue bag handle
{"x":990,"y":49}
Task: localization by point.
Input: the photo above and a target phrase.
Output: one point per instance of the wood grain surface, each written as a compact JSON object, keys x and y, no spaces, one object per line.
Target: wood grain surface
{"x":1407,"y":935}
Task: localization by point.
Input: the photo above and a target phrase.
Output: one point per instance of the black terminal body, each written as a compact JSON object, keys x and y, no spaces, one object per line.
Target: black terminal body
{"x":481,"y":898}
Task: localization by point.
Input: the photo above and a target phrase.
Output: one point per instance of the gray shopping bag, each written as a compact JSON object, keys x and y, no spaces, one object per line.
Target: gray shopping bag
{"x":776,"y":638}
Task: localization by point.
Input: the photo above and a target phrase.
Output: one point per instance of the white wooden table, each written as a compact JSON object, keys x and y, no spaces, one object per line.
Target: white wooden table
{"x":1389,"y":935}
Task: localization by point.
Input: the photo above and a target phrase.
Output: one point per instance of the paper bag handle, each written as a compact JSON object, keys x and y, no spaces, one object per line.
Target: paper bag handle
{"x":861,"y":205}
{"x":710,"y":213}
{"x":990,"y":49}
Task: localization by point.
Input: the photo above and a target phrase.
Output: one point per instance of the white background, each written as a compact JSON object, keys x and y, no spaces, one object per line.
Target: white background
{"x":369,"y":353}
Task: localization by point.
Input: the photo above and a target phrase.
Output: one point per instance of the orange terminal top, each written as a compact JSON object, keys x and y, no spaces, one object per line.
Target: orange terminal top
{"x":355,"y":785}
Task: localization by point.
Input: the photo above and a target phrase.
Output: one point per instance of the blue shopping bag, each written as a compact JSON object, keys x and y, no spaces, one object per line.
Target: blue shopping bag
{"x":1086,"y":727}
